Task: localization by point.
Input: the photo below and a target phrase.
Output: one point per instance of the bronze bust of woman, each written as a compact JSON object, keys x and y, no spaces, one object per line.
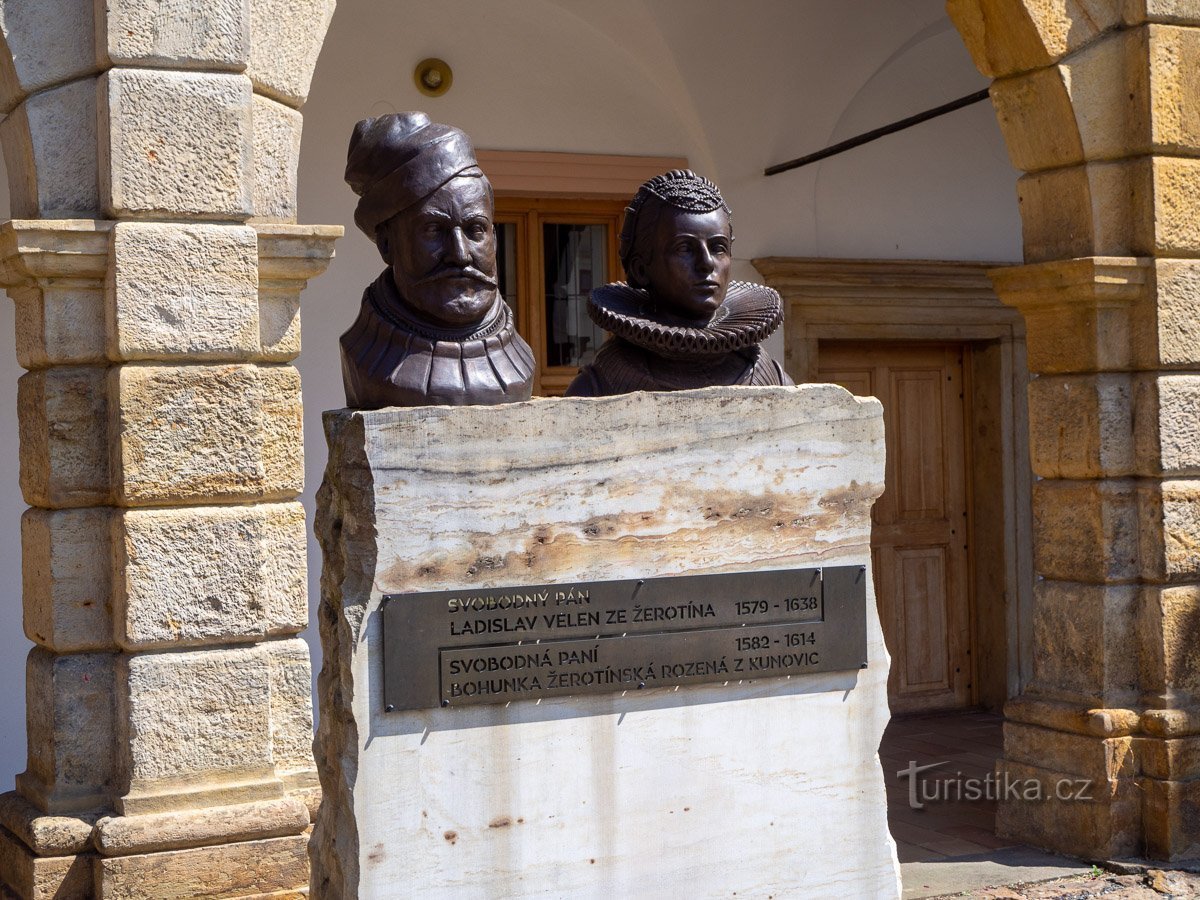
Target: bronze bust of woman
{"x":679,"y":322}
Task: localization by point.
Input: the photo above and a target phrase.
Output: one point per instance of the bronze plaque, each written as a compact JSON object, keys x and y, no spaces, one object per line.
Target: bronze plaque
{"x":495,"y":645}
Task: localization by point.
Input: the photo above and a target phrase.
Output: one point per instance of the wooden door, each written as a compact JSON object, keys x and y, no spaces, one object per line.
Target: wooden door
{"x":920,"y":524}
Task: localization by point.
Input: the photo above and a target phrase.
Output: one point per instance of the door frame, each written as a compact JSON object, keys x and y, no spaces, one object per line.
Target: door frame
{"x":935,"y":301}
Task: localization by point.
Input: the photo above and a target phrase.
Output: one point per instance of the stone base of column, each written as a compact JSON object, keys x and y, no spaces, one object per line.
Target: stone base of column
{"x":231,"y":851}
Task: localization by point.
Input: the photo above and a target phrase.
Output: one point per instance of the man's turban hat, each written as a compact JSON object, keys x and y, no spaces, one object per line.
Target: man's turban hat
{"x":399,"y":159}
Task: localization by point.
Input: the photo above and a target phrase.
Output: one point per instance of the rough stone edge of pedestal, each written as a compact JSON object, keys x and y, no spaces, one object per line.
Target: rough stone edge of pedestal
{"x":339,"y":625}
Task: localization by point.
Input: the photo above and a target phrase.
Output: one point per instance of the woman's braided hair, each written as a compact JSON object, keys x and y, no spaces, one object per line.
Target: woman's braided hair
{"x":680,"y":189}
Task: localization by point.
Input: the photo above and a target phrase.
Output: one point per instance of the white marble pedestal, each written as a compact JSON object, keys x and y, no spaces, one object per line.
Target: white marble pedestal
{"x":763,"y":788}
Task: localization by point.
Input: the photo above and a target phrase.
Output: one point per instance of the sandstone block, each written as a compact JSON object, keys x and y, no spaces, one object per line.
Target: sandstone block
{"x":249,"y":869}
{"x":209,"y":574}
{"x":1082,"y":314}
{"x":42,"y":877}
{"x":288,"y":256}
{"x":1078,"y":755}
{"x":49,"y":145}
{"x":214,"y":34}
{"x":62,"y":414}
{"x":194,"y":729}
{"x":1176,"y":207}
{"x":54,"y":270}
{"x":1095,"y":209}
{"x":1174,"y":72}
{"x":1165,"y":428}
{"x":1035,"y":113}
{"x":69,"y":719}
{"x":1085,"y":642}
{"x":1105,"y":825}
{"x":183,"y":292}
{"x":1169,"y":525}
{"x":1002,"y":43}
{"x":175,"y":145}
{"x":248,"y":419}
{"x":1081,"y":426}
{"x":1170,"y":760}
{"x":1170,"y":657}
{"x":156,"y":832}
{"x":291,"y":713}
{"x":1168,"y":813}
{"x":285,"y":38}
{"x":66,"y":567}
{"x":49,"y":42}
{"x":44,"y":835}
{"x":1175,"y":337}
{"x":276,"y":160}
{"x":60,"y":324}
{"x":1086,"y":531}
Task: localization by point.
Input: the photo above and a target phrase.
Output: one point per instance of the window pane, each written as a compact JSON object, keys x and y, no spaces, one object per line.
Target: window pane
{"x":575,"y":262}
{"x":506,"y":267}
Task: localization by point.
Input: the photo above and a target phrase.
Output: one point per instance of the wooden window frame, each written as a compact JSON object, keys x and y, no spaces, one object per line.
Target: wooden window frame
{"x":536,"y":188}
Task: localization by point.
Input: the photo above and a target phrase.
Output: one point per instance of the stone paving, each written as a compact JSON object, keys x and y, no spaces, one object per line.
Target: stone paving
{"x":1154,"y":884}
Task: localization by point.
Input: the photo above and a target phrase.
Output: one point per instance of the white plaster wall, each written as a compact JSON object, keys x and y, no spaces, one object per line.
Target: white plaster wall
{"x":733,"y":87}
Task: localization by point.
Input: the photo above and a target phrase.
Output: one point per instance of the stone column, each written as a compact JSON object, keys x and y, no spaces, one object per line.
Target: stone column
{"x":1098,"y":105}
{"x":164,"y":574}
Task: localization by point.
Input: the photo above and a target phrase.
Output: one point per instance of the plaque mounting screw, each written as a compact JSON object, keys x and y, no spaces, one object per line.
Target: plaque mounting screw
{"x":445,"y":703}
{"x":863,"y":666}
{"x":641,"y":684}
{"x":389,"y":708}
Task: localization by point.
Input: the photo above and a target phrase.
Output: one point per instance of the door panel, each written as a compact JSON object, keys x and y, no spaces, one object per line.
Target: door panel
{"x":919,"y":525}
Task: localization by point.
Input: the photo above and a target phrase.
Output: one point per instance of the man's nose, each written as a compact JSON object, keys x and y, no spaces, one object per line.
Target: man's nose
{"x":705,"y":261}
{"x":457,"y":247}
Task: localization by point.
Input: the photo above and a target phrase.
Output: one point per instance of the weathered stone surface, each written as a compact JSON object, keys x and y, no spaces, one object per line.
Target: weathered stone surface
{"x":208,"y":574}
{"x":156,"y":832}
{"x":1165,"y":429}
{"x":66,"y":576}
{"x":249,"y":869}
{"x":183,"y":292}
{"x":1086,"y":531}
{"x":1081,"y":314}
{"x":62,"y":414}
{"x":1099,"y":761}
{"x":1081,"y":426}
{"x":1163,"y":759}
{"x":49,"y":146}
{"x":248,"y":419}
{"x":291,"y":713}
{"x":1004,"y":40}
{"x":1169,"y":654}
{"x":1107,"y":825}
{"x":1035,"y":114}
{"x":720,"y":479}
{"x":285,"y":38}
{"x":1169,"y":530}
{"x":175,"y":145}
{"x":45,"y":43}
{"x":276,"y":160}
{"x":1173,"y":67}
{"x":1083,"y":638}
{"x":194,"y":729}
{"x":44,"y":835}
{"x":1176,"y":208}
{"x":288,"y":255}
{"x":214,"y":34}
{"x":1168,"y":811}
{"x":69,"y":724}
{"x":1175,"y":340}
{"x":54,"y":271}
{"x":43,"y":878}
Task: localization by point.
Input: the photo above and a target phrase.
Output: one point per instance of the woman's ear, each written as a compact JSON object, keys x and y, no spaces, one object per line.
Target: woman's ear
{"x":635,"y":270}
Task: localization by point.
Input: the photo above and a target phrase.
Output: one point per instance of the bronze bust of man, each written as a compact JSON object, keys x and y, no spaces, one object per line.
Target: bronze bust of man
{"x":679,"y":322}
{"x":433,"y":328}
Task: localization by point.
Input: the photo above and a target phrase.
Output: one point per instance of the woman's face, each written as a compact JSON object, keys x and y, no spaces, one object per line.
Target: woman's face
{"x":688,"y":269}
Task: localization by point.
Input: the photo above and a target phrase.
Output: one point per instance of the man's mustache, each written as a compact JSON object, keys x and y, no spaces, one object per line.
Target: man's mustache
{"x":458,"y":272}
